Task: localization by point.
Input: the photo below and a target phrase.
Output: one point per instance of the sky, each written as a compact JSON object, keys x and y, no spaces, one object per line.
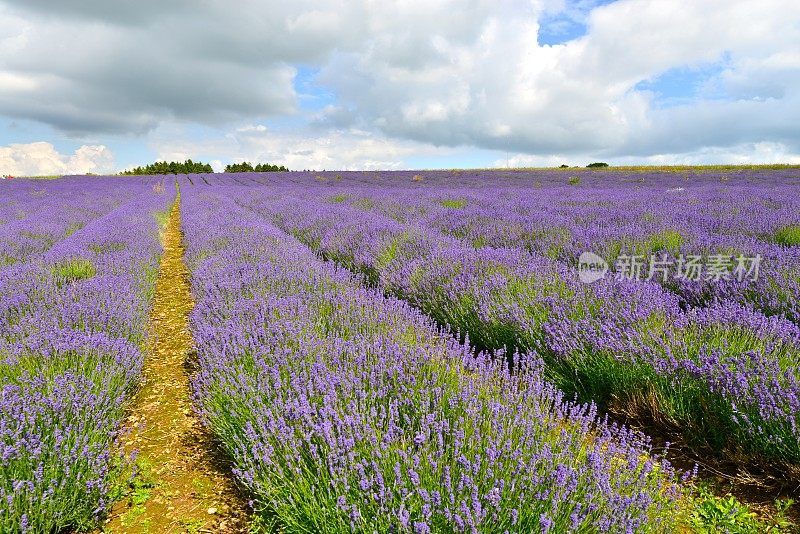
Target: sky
{"x":104,"y":85}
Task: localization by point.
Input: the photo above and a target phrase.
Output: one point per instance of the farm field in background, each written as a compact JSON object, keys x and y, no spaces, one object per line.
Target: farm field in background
{"x":432,"y":351}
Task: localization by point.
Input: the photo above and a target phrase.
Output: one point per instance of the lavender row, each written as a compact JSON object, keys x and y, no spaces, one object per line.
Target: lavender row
{"x":347,"y":410}
{"x":37,"y":214}
{"x":705,"y":218}
{"x":72,"y":334}
{"x":728,"y":213}
{"x":609,"y":341}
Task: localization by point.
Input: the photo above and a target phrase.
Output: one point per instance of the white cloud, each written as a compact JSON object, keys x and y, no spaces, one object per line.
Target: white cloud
{"x":38,"y":159}
{"x":349,"y":149}
{"x":500,"y":89}
{"x":425,"y":73}
{"x":741,"y":154}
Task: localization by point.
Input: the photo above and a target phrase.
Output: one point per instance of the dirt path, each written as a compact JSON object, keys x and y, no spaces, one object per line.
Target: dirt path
{"x":182,"y":485}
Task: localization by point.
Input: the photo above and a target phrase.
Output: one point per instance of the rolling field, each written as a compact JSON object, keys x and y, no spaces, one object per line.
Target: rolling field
{"x":447,"y":351}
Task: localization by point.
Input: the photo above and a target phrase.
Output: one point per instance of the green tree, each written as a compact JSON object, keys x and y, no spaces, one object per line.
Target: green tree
{"x":172,"y":167}
{"x":260,"y":167}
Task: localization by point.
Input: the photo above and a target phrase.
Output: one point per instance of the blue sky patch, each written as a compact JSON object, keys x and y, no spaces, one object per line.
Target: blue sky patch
{"x":686,"y":84}
{"x":567,"y":24}
{"x":311,"y":96}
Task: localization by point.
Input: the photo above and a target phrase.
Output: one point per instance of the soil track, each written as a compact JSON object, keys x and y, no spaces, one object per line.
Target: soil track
{"x":183,"y":483}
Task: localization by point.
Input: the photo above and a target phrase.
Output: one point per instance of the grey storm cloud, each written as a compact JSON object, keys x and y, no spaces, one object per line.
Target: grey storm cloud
{"x":99,"y":71}
{"x":124,"y":12}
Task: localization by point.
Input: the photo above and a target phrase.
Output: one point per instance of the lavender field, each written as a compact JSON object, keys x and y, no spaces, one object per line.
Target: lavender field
{"x":449,"y":351}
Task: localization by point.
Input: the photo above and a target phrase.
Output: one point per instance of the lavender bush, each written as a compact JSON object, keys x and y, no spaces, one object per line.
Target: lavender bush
{"x":35,"y":215}
{"x":346,"y":410}
{"x":611,"y":341}
{"x":72,"y":328}
{"x":419,"y":381}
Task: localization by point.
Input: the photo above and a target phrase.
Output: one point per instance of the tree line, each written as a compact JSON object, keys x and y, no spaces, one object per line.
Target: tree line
{"x":196,"y":167}
{"x":260,"y":167}
{"x":172,"y":167}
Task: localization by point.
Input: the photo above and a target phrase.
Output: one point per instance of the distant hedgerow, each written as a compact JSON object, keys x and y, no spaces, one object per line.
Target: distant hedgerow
{"x":260,"y":167}
{"x":173,"y":167}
